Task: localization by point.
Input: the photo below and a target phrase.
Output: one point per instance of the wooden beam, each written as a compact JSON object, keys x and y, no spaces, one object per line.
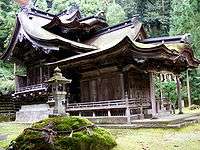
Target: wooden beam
{"x":128,"y":113}
{"x":178,"y":86}
{"x":41,"y":74}
{"x":131,"y":66}
{"x":188,"y":89}
{"x":122,"y":85}
{"x":16,"y":82}
{"x":97,"y":72}
{"x":152,"y":94}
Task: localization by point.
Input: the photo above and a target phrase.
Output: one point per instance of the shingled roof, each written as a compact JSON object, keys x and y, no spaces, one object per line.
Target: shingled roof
{"x":91,"y":36}
{"x":36,"y":27}
{"x":109,"y":41}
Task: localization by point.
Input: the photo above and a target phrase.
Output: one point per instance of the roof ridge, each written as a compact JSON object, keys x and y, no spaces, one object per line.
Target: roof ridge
{"x":124,"y":24}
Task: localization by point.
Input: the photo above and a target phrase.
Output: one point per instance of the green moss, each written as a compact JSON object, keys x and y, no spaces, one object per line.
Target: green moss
{"x":91,"y":139}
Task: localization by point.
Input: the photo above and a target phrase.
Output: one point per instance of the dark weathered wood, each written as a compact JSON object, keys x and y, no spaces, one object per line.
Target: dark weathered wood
{"x":152,"y":93}
{"x":138,"y":84}
{"x":111,"y":104}
{"x":178,"y":86}
{"x":31,"y":88}
{"x":103,"y":87}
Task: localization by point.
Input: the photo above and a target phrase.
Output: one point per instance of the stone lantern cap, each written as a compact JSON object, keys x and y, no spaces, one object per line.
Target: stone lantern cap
{"x":58,"y":78}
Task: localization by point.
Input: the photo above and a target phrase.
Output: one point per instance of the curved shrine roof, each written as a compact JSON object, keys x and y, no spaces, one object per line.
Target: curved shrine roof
{"x":34,"y":30}
{"x":38,"y":28}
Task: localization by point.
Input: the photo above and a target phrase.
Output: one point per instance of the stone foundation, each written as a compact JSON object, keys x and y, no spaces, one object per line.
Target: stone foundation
{"x":111,"y":119}
{"x":33,"y":113}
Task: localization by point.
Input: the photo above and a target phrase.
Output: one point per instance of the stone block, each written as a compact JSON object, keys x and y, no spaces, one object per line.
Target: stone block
{"x":33,"y":113}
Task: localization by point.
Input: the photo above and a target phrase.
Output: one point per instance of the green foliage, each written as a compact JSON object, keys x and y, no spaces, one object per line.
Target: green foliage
{"x":6,"y":78}
{"x":195,"y":85}
{"x":155,"y":14}
{"x":98,"y":139}
{"x":42,"y":4}
{"x":129,"y":6}
{"x":7,"y":17}
{"x":115,"y":14}
{"x":169,"y":90}
{"x":6,"y":71}
{"x":186,"y":19}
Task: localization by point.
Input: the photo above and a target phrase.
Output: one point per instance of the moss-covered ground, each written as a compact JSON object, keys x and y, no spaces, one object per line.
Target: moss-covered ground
{"x":11,"y":131}
{"x":187,"y":138}
{"x":63,"y":133}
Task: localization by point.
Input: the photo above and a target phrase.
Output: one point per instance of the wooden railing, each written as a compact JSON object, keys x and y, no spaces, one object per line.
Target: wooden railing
{"x":30,"y":88}
{"x":108,"y":104}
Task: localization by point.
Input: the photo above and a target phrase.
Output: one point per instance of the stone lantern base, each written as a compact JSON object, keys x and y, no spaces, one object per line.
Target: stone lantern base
{"x":59,"y":107}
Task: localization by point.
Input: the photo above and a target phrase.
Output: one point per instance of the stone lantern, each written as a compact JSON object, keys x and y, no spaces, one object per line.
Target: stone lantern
{"x":58,"y":83}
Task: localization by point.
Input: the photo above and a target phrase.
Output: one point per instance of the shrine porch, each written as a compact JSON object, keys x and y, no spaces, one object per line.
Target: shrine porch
{"x":112,"y":111}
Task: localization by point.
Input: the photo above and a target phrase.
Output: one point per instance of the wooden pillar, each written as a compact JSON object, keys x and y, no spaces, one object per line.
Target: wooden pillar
{"x":178,"y":86}
{"x":109,"y":113}
{"x":93,"y":90}
{"x":40,"y":74}
{"x":15,"y":68}
{"x":48,"y":72}
{"x":79,"y":114}
{"x":152,"y":94}
{"x":141,"y":112}
{"x":158,"y":106}
{"x":188,"y":89}
{"x":161,"y":93}
{"x":93,"y":114}
{"x":128,"y":114}
{"x":122,"y":84}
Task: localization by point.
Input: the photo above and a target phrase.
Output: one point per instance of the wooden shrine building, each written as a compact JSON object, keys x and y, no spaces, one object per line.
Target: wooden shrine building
{"x":111,"y":67}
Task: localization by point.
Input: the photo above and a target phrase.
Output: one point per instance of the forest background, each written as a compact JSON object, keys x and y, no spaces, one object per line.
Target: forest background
{"x":160,"y":18}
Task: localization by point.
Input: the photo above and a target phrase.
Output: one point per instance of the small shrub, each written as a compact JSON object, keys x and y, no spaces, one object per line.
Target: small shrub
{"x":86,"y":139}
